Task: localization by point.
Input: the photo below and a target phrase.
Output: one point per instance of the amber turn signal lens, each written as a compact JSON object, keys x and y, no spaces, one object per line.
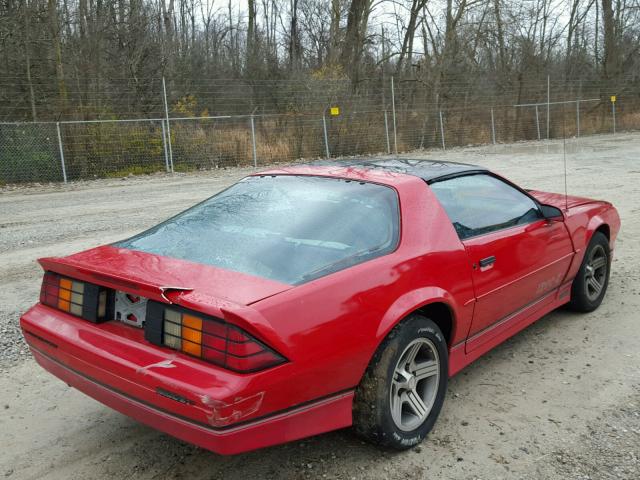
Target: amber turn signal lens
{"x":192,"y":335}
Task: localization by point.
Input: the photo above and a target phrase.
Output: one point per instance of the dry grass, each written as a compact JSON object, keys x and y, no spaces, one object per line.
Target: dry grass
{"x":114,"y":149}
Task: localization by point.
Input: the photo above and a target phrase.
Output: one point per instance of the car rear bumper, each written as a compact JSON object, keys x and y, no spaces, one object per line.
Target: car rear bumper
{"x":199,"y":424}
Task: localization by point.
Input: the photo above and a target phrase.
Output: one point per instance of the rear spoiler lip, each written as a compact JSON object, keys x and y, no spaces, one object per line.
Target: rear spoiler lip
{"x":65,"y":266}
{"x":245,"y":317}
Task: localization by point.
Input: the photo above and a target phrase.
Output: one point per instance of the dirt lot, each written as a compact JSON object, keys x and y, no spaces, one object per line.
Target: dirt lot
{"x":559,"y":400}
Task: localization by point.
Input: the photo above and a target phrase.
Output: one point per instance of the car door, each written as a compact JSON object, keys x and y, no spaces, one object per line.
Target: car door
{"x":517,"y":256}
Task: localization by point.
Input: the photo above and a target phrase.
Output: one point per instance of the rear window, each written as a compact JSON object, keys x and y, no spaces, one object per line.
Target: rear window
{"x":286,"y":228}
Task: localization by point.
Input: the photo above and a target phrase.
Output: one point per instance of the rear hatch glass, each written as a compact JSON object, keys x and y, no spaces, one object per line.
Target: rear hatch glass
{"x":287,"y":228}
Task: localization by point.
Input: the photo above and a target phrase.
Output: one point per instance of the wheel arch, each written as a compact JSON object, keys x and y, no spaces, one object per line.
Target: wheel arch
{"x":597,"y":224}
{"x":582,"y":231}
{"x":432,"y":302}
{"x":605,"y":221}
{"x":441,"y":314}
{"x":604,"y":229}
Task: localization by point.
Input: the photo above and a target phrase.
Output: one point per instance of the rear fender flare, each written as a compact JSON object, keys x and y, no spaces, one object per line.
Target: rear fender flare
{"x":412,"y":301}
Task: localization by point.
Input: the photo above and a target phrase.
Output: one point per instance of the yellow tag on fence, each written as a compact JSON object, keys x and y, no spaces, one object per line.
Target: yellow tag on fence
{"x":613,"y":99}
{"x":334,"y":111}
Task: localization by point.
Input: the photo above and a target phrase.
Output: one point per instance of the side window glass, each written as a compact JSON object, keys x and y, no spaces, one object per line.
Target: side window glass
{"x":478,"y":204}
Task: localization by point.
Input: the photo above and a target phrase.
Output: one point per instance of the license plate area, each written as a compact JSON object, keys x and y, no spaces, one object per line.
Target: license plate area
{"x":130,"y":309}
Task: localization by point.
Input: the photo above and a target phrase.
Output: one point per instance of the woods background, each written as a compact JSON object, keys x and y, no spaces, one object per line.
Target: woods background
{"x":454,"y":64}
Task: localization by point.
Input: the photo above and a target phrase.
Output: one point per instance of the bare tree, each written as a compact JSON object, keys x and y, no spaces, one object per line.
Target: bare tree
{"x":610,"y":57}
{"x":251,"y":33}
{"x":354,"y":36}
{"x":56,"y":46}
{"x":406,"y":51}
{"x":295,"y":42}
{"x":91,"y":58}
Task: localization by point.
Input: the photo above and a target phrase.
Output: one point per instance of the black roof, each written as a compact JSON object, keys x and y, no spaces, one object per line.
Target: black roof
{"x":428,"y":170}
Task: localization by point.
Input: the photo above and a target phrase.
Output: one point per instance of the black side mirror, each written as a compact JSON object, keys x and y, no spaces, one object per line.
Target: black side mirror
{"x":551,"y":213}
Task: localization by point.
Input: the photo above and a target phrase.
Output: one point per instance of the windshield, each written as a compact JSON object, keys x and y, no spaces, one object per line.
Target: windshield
{"x":286,"y":228}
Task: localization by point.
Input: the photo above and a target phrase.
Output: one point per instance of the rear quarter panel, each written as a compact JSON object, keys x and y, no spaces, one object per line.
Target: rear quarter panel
{"x":334,"y":324}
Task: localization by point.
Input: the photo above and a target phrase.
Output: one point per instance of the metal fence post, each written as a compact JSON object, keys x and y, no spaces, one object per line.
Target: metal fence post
{"x":538,"y":122}
{"x":577,"y":118}
{"x":253,"y":142}
{"x":493,"y":127}
{"x":386,"y":131}
{"x":548,"y":105}
{"x":164,"y":146}
{"x":393,"y":106}
{"x":442,"y":130}
{"x":613,"y":111}
{"x":326,"y":138}
{"x":64,"y":169}
{"x":166,"y":113}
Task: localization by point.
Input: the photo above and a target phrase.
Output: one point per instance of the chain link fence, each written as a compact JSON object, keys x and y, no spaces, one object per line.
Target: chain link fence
{"x":74,"y":149}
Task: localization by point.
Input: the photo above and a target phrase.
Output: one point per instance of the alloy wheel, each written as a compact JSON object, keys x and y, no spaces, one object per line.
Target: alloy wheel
{"x":415,"y":384}
{"x":595,"y":272}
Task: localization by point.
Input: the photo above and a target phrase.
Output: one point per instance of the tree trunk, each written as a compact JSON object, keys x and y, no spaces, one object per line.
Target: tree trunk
{"x":610,"y":57}
{"x":354,"y":37}
{"x":295,"y":47}
{"x":251,"y":34}
{"x":334,"y":32}
{"x":500,"y":34}
{"x":27,"y":48}
{"x":54,"y":27}
{"x":407,"y":44}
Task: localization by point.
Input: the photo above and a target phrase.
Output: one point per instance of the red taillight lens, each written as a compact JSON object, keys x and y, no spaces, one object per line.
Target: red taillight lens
{"x":62,"y":293}
{"x":216,"y":342}
{"x":50,"y":288}
{"x":72,"y":296}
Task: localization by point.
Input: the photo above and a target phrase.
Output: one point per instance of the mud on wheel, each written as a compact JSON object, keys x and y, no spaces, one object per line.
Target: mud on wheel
{"x":402,"y":391}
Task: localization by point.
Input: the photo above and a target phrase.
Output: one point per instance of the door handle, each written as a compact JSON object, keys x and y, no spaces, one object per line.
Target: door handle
{"x":485,"y":262}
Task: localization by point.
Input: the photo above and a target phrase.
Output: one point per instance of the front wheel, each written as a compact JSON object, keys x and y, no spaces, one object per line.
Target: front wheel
{"x":590,"y":285}
{"x":402,"y":392}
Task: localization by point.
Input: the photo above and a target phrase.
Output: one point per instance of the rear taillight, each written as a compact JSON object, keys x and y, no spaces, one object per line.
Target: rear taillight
{"x":198,"y":335}
{"x":72,"y":296}
{"x":208,"y":338}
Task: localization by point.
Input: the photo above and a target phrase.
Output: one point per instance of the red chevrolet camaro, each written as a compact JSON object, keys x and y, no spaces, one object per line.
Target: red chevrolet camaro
{"x":316,"y":297}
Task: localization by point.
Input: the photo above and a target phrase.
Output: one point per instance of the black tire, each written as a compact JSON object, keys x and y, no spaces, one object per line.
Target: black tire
{"x":372,"y":417}
{"x":583,"y":294}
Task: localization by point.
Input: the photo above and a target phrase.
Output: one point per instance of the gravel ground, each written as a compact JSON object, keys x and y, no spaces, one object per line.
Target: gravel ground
{"x":559,"y":400}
